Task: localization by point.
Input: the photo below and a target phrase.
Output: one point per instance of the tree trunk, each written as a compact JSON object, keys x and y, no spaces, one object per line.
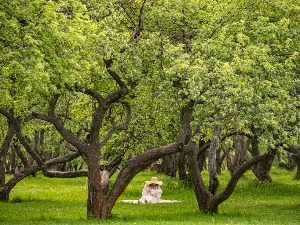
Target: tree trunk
{"x":4,"y":195}
{"x":261,"y":169}
{"x":184,"y":136}
{"x":95,"y":193}
{"x":216,"y":200}
{"x":4,"y":192}
{"x":181,"y":166}
{"x":212,"y":162}
{"x":297,"y":176}
{"x":2,"y":171}
{"x":296,"y":156}
{"x":202,"y":195}
{"x":169,"y":165}
{"x":240,"y":155}
{"x":202,"y":155}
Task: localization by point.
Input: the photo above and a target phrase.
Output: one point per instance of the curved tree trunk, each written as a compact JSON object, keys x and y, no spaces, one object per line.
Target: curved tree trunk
{"x":130,"y":169}
{"x":144,"y":160}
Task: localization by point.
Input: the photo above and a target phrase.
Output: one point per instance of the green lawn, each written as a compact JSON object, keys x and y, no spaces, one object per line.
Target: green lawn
{"x":43,"y":200}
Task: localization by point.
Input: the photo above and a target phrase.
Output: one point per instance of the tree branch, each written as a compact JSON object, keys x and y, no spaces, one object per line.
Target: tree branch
{"x":96,"y":95}
{"x":129,"y":17}
{"x":225,"y":194}
{"x":22,"y":139}
{"x":115,"y":128}
{"x":66,"y":174}
{"x":137,"y":164}
{"x":52,"y":104}
{"x":66,"y":134}
{"x":7,"y":140}
{"x":62,"y":159}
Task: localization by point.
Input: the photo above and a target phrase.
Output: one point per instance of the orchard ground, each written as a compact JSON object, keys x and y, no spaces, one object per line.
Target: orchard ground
{"x":41,"y":200}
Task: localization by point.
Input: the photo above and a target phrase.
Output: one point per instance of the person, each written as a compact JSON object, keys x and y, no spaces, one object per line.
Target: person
{"x":151,"y":192}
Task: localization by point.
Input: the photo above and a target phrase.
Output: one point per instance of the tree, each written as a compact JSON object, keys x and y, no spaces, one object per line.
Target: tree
{"x":179,"y":71}
{"x":233,"y":64}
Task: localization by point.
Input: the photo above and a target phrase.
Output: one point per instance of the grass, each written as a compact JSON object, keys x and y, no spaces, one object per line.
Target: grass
{"x":41,"y":200}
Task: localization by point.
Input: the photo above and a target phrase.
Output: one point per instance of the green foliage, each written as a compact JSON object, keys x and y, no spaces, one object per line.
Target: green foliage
{"x":239,"y":59}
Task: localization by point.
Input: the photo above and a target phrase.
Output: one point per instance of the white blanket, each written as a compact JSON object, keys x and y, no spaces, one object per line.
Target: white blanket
{"x":161,"y":201}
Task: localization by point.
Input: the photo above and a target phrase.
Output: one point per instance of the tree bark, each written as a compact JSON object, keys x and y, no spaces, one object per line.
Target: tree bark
{"x":212,"y":162}
{"x":182,"y":166}
{"x":296,"y":156}
{"x":240,"y":156}
{"x":169,"y":165}
{"x":202,"y":195}
{"x":4,"y":192}
{"x":184,"y":136}
{"x":95,"y":194}
{"x":261,"y":169}
{"x":202,"y":155}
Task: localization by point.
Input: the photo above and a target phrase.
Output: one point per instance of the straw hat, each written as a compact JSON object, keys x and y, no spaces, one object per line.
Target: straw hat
{"x":154,"y":180}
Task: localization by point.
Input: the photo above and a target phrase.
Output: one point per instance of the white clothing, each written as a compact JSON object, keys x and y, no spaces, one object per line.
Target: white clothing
{"x":150,"y":195}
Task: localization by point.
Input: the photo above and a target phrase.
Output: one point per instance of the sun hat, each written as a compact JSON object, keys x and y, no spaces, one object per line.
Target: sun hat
{"x":154,"y":180}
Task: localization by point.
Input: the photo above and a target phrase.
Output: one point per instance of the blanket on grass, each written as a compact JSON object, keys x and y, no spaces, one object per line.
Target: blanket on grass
{"x":161,"y":201}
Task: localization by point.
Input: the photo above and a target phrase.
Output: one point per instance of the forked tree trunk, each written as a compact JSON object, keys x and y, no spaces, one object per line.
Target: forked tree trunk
{"x":208,"y":202}
{"x":144,"y":160}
